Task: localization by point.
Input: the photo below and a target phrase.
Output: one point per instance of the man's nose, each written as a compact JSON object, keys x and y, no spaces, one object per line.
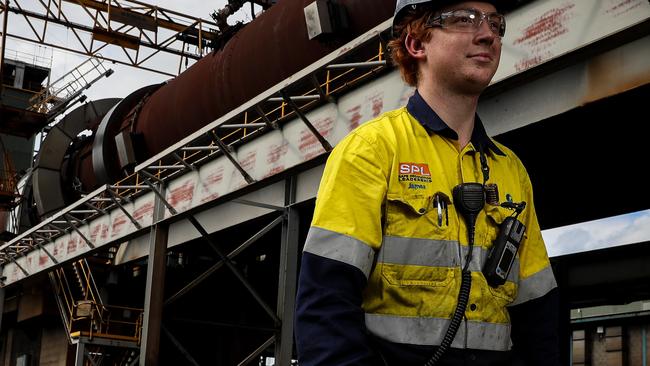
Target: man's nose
{"x":484,"y":33}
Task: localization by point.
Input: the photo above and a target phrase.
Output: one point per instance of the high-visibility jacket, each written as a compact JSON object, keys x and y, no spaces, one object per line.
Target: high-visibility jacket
{"x":376,"y":212}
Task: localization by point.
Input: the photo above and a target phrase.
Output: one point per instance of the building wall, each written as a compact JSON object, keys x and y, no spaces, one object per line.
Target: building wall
{"x":611,"y":345}
{"x":608,"y":347}
{"x":54,"y":347}
{"x":635,"y":336}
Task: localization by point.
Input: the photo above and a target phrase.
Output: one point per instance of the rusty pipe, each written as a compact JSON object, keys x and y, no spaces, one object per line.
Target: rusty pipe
{"x":266,"y":51}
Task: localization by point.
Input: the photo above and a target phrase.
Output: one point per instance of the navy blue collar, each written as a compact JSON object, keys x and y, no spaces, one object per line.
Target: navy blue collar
{"x":422,"y":112}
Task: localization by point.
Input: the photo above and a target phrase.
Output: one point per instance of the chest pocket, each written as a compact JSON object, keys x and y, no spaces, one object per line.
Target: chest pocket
{"x":415,"y":252}
{"x":414,"y":216}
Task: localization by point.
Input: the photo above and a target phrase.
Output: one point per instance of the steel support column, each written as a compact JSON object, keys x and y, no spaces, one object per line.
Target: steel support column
{"x":288,"y":275}
{"x":8,"y":344}
{"x":154,"y":300}
{"x":2,"y":307}
{"x":5,"y":20}
{"x":644,"y":346}
{"x":80,"y":354}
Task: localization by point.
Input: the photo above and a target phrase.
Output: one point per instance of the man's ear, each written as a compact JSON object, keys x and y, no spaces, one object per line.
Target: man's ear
{"x":414,"y":46}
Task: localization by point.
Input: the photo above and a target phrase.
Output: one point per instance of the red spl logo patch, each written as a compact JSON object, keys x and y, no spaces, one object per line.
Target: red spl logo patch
{"x":415,"y":169}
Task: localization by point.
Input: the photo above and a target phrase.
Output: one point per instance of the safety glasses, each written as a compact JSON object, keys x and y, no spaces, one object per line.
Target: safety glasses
{"x":468,"y":20}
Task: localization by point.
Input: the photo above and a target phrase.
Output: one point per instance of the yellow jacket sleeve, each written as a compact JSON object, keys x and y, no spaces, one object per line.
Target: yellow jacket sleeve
{"x":347,"y":223}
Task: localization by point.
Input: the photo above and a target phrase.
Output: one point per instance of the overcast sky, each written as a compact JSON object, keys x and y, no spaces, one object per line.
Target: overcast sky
{"x":614,"y":231}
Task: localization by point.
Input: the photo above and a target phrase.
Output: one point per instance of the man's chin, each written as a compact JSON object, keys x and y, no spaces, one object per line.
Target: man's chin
{"x":474,"y":86}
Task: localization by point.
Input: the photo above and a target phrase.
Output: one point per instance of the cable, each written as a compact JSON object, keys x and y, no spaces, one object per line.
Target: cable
{"x":469,"y":199}
{"x":454,"y":324}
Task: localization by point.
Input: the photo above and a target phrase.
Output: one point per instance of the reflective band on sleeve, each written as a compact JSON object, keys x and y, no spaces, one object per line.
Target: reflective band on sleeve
{"x":430,"y":332}
{"x":535,"y":286}
{"x":339,"y":247}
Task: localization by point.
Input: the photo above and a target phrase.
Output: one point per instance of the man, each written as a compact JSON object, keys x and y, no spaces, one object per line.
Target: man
{"x":393,"y":267}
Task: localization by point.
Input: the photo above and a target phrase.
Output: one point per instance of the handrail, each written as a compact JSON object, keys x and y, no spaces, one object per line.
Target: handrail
{"x":101,"y":320}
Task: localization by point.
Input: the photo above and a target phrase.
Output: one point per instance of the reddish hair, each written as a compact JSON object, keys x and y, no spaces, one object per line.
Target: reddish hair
{"x":412,"y":23}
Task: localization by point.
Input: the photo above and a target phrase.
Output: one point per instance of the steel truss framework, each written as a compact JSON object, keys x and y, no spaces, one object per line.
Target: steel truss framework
{"x":281,"y":314}
{"x":316,"y":85}
{"x":128,"y":24}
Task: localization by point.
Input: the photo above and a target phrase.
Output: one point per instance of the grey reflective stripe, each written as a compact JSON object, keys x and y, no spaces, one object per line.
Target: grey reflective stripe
{"x":435,"y":253}
{"x":430,"y":331}
{"x":339,"y":247}
{"x":535,"y":286}
{"x":419,"y":252}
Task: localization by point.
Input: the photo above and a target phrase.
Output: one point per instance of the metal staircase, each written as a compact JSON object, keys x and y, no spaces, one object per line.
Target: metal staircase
{"x":104,"y":334}
{"x":68,"y":88}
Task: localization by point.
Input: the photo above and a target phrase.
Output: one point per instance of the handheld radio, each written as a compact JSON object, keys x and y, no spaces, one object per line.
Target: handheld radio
{"x":504,"y":251}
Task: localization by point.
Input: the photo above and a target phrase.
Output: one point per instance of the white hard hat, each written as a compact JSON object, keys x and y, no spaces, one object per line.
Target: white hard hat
{"x":402,"y":6}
